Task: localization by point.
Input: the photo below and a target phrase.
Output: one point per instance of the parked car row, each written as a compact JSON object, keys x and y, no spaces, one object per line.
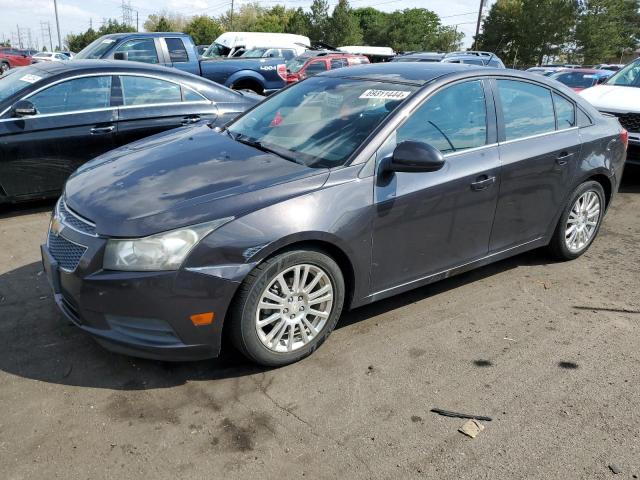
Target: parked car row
{"x":55,"y":116}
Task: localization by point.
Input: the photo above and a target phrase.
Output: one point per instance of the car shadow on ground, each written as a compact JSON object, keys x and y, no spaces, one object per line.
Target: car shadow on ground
{"x":9,"y":210}
{"x":36,"y":342}
{"x":630,"y":179}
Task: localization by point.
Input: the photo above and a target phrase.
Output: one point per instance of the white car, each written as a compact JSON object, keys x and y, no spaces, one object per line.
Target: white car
{"x":620,"y":96}
{"x":50,"y":57}
{"x":234,"y":44}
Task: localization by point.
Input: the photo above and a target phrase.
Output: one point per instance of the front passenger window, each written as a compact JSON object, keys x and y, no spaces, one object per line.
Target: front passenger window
{"x":74,"y":95}
{"x":453,"y":119}
{"x":527,"y":109}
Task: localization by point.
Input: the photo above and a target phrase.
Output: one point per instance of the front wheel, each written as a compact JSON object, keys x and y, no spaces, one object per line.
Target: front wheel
{"x":4,"y":67}
{"x":580,"y":221}
{"x":287,"y":306}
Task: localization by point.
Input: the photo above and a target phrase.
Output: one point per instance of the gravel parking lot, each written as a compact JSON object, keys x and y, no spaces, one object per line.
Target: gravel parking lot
{"x":549,"y":350}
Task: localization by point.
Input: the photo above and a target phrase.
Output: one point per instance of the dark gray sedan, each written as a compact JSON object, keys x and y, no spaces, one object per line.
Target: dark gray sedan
{"x":54,"y":116}
{"x":341,"y":190}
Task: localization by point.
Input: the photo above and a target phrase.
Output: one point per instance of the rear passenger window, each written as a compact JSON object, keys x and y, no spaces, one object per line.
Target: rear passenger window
{"x":288,"y":54}
{"x":145,"y":91}
{"x":338,"y":63}
{"x":583,"y":119}
{"x":316,"y":67}
{"x":527,"y":109}
{"x":191,"y":96}
{"x":565,"y":112}
{"x":177,"y":52}
{"x":140,"y":50}
{"x":453,"y":119}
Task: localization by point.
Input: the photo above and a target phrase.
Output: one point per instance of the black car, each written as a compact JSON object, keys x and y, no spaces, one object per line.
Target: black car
{"x":55,"y":116}
{"x":343,"y":189}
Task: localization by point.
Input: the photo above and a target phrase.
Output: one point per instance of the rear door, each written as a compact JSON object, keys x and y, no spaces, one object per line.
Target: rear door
{"x":539,"y":149}
{"x":150,"y":105}
{"x":75,"y":122}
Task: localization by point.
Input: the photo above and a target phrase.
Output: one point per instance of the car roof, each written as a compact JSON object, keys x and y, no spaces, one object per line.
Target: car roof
{"x":417,"y":73}
{"x":97,"y":65}
{"x":144,"y":34}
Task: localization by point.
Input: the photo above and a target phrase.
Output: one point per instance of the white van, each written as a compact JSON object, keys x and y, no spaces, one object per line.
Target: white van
{"x":235,"y":44}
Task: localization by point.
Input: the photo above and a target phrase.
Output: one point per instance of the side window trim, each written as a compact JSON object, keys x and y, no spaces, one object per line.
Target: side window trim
{"x":180,"y":85}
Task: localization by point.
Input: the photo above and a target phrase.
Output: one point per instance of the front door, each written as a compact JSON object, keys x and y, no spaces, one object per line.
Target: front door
{"x":75,"y":123}
{"x":429,"y":222}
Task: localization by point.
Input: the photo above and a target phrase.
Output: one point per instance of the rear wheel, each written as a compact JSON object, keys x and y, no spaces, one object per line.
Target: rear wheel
{"x":4,"y":67}
{"x":580,"y":221}
{"x":287,"y":307}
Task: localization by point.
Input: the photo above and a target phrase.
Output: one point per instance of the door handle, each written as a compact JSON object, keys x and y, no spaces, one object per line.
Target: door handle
{"x":101,"y":130}
{"x":190,"y":119}
{"x":562,"y":158}
{"x":482,"y":182}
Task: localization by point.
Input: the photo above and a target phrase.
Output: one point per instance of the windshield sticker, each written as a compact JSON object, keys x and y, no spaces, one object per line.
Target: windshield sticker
{"x":386,"y":94}
{"x":30,"y":78}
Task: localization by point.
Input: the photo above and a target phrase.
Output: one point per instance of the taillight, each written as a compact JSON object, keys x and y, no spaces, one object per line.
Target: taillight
{"x":624,"y":137}
{"x":282,"y":71}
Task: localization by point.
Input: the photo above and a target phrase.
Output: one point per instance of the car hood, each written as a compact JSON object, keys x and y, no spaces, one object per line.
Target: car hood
{"x":180,"y":178}
{"x":612,"y":98}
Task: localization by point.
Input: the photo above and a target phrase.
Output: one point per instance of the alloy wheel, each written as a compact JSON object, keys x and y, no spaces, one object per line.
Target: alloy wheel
{"x":582,"y":221}
{"x":294,"y":308}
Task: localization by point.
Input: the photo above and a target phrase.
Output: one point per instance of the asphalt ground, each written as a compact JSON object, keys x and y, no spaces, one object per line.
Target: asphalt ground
{"x":548,"y":350}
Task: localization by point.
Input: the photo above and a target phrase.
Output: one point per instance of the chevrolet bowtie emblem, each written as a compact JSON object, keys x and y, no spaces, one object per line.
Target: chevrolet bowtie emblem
{"x":56,"y":226}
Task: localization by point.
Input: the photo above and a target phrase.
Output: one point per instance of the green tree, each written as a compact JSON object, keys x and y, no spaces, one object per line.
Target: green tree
{"x":319,"y":19}
{"x":343,"y":27}
{"x":203,"y":29}
{"x":244,"y":19}
{"x":374,"y":25}
{"x":172,"y":22}
{"x":527,"y":31}
{"x":75,"y":43}
{"x":273,"y":20}
{"x":299,"y":23}
{"x":606,"y":29}
{"x":412,"y":29}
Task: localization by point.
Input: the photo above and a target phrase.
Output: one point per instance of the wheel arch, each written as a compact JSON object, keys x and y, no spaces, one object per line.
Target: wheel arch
{"x":326,"y":245}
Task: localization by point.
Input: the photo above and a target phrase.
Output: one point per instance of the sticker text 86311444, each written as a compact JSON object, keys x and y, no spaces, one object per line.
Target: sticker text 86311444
{"x":386,"y":94}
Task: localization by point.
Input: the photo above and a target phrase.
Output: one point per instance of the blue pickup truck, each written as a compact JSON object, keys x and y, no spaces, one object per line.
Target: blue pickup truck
{"x":261,"y":75}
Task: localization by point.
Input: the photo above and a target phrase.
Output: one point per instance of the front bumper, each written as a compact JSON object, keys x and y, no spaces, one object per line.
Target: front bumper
{"x":143,"y":314}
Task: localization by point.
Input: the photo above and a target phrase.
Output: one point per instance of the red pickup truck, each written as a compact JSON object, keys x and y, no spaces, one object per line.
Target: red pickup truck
{"x":12,"y":57}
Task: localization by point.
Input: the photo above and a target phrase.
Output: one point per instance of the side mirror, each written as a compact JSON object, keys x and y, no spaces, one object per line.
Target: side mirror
{"x":121,"y":56}
{"x":412,"y":156}
{"x":24,"y":108}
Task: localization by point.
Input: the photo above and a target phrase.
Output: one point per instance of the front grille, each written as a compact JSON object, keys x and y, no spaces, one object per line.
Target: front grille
{"x":75,"y":221}
{"x":66,"y":253}
{"x":630,"y":121}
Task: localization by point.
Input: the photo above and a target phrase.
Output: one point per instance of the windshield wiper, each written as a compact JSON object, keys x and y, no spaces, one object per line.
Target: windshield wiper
{"x":260,"y":146}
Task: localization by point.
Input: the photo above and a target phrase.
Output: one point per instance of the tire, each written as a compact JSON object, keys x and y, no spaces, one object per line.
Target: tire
{"x":561,"y":245}
{"x":248,"y":86}
{"x":291,"y":338}
{"x":4,"y":67}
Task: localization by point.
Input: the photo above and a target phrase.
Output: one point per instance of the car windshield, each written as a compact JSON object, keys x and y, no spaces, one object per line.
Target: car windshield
{"x":216,"y":50}
{"x":575,"y":79}
{"x":321,"y":121}
{"x":629,"y":76}
{"x":96,"y":49}
{"x":18,"y":79}
{"x":295,"y":64}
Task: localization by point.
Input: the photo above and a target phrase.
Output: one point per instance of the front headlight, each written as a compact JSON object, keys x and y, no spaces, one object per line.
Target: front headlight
{"x":163,"y":251}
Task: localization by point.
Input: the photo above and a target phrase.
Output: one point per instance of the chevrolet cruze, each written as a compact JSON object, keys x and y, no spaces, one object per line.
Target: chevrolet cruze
{"x":346,"y":188}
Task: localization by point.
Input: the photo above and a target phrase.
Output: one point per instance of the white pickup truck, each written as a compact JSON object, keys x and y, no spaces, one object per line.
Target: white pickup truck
{"x":620,"y":96}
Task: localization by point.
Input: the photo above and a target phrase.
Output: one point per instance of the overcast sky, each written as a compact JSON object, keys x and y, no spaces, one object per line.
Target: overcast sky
{"x":75,"y":15}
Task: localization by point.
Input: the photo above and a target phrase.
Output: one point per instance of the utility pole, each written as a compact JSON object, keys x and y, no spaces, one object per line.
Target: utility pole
{"x":19,"y":36}
{"x":137,"y":24}
{"x":475,"y":42}
{"x":231,"y":17}
{"x":55,"y":6}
